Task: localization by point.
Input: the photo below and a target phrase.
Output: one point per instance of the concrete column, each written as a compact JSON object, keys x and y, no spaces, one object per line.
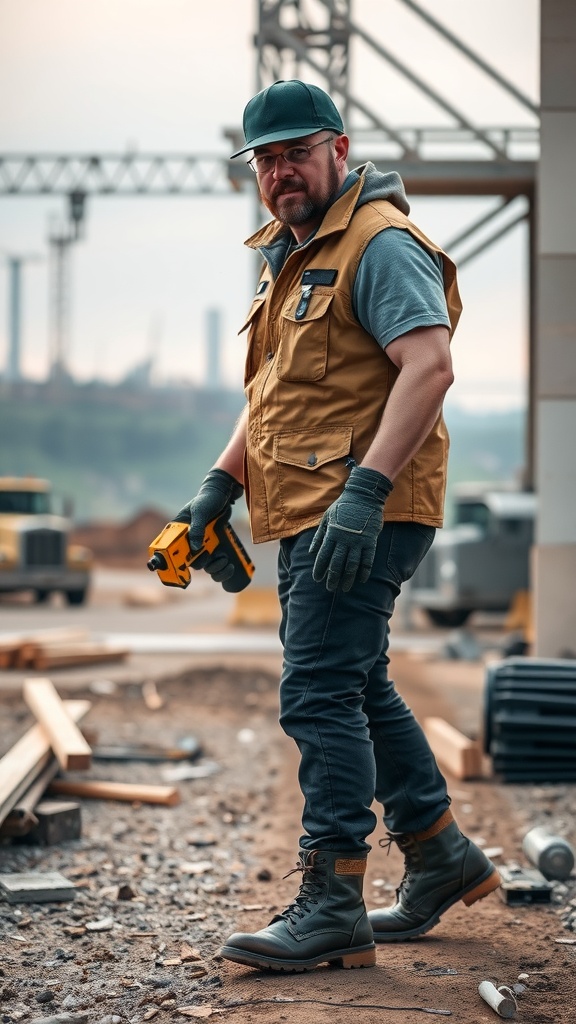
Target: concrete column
{"x":554,"y":556}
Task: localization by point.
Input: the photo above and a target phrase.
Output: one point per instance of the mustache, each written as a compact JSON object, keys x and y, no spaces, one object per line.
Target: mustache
{"x":284,"y":187}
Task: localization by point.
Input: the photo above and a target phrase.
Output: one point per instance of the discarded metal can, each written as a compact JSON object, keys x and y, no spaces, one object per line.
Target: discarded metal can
{"x":500,"y":999}
{"x":552,"y":855}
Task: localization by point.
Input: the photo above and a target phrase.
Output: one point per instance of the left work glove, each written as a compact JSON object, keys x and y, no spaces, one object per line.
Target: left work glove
{"x":218,"y":492}
{"x":345,"y":541}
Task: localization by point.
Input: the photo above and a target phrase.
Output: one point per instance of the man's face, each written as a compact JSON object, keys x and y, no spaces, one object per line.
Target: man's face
{"x":298,"y":194}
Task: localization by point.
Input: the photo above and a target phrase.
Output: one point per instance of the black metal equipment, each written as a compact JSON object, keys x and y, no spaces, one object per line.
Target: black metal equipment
{"x":530,"y":719}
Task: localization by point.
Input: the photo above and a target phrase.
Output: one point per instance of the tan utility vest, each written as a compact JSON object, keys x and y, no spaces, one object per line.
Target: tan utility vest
{"x":317,"y":382}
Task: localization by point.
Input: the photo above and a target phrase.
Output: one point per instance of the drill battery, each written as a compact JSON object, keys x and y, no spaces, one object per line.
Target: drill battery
{"x":170,"y":554}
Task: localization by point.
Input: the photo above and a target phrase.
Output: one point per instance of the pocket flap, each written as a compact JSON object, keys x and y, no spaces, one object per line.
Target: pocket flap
{"x":317,"y":306}
{"x":312,"y":448}
{"x":252,"y":312}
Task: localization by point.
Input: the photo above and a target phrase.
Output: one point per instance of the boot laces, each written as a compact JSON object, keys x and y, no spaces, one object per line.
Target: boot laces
{"x":311,"y":888}
{"x":412,"y":861}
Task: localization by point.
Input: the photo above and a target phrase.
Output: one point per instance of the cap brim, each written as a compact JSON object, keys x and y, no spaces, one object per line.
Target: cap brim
{"x":283,"y":134}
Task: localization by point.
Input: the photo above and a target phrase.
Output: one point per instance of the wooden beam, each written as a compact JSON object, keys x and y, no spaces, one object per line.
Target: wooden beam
{"x":9,"y":648}
{"x":22,"y":818}
{"x":18,"y":649}
{"x":48,"y":656}
{"x":454,"y":751}
{"x":65,"y":737}
{"x":127,"y":791}
{"x":28,"y":758}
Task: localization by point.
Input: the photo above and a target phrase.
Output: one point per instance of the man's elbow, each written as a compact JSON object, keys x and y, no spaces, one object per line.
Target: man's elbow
{"x":446,"y":378}
{"x":441,"y":374}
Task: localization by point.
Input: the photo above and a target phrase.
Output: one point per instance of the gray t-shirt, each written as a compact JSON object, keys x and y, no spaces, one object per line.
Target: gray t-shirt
{"x":398,"y":286}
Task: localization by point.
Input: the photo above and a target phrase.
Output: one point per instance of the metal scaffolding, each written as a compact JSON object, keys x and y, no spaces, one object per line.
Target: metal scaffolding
{"x":292,"y":38}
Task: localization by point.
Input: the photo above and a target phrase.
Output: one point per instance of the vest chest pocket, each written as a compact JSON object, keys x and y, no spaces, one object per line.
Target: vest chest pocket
{"x":303,"y":345}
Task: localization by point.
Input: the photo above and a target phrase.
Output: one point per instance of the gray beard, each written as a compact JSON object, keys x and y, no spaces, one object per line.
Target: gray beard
{"x":298,"y":211}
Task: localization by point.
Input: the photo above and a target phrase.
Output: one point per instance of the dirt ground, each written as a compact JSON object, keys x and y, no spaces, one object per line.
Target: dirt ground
{"x":153,"y":881}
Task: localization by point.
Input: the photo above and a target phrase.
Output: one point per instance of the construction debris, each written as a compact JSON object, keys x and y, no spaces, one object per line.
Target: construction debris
{"x":461,"y":756}
{"x":28,"y":771}
{"x":501,"y":1000}
{"x":551,"y":854}
{"x":66,"y":740}
{"x":36,"y":887}
{"x":523,"y":885}
{"x":55,"y":648}
{"x":28,"y":758}
{"x":58,"y":821}
{"x":150,"y":695}
{"x":187,"y":749}
{"x":129,"y":792}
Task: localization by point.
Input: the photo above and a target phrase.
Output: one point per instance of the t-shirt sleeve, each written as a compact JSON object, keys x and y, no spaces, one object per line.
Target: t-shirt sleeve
{"x":398,"y":287}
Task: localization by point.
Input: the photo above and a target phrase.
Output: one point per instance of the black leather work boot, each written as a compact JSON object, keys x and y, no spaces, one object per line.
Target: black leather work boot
{"x":441,"y":867}
{"x":326,"y":923}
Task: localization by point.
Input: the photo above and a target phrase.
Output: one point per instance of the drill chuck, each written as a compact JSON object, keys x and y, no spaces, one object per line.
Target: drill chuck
{"x":157,"y":562}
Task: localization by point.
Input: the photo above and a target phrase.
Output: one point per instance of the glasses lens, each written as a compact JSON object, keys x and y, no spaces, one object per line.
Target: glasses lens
{"x":296,"y":154}
{"x":264,"y":163}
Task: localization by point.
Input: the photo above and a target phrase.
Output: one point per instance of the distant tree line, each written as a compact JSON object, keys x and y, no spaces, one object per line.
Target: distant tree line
{"x":115,"y":452}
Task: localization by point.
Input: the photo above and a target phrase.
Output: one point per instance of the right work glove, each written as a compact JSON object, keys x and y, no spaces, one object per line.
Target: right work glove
{"x":345,"y":542}
{"x":218,"y":492}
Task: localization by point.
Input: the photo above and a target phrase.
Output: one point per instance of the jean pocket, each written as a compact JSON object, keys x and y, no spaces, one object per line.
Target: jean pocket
{"x":409,"y":542}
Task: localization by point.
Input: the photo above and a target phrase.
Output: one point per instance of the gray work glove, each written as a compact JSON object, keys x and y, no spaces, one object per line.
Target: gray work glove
{"x":345,"y":541}
{"x":218,"y":492}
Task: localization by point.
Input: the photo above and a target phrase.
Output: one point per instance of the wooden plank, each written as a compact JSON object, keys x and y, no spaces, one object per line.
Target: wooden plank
{"x":9,"y":648}
{"x":22,"y":818}
{"x":56,"y":656}
{"x":24,"y":656}
{"x":17,"y":649}
{"x":65,"y":737}
{"x":454,"y":751}
{"x":28,"y":758}
{"x":130,"y":792}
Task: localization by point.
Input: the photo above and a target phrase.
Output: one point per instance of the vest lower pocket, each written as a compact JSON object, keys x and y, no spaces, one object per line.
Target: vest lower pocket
{"x":310,"y":468}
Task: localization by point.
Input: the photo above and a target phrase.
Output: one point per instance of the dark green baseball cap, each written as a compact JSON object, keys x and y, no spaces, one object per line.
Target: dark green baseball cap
{"x":288,"y":110}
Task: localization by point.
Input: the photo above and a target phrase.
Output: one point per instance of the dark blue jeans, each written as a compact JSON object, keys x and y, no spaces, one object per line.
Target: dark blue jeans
{"x":357,"y":738}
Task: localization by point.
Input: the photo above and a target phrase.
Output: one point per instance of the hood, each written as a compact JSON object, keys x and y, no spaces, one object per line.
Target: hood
{"x":380,"y":185}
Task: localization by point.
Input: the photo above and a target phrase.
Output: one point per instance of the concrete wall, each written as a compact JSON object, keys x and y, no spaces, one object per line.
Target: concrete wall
{"x":554,"y":556}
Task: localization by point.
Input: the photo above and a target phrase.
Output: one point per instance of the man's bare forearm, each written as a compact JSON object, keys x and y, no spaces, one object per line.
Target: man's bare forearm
{"x":415,"y":401}
{"x":232,"y":458}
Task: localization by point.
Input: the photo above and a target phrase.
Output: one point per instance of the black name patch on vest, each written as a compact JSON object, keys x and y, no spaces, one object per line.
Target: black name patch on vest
{"x":326,"y":277}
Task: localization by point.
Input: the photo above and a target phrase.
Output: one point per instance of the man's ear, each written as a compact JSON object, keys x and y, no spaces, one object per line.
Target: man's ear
{"x":341,"y":147}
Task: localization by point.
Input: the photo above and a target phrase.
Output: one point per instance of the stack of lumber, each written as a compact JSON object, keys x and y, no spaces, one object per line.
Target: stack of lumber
{"x":56,"y":744}
{"x":55,"y":648}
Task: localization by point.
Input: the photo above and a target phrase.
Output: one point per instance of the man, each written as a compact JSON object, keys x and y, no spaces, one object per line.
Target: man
{"x":342,"y":452}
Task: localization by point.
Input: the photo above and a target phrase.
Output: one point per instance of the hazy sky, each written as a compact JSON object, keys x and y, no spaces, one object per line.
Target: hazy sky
{"x":170,"y":75}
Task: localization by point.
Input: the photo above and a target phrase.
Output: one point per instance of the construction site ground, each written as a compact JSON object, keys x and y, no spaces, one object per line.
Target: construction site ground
{"x":158,"y":889}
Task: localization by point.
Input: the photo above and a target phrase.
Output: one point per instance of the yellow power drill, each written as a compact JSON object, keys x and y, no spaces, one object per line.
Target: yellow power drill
{"x":170,"y":554}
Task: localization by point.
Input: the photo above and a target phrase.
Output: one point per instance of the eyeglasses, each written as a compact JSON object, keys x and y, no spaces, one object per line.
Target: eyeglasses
{"x":293,"y":155}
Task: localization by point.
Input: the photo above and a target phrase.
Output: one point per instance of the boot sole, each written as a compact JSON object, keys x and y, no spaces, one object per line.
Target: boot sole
{"x":477,"y":890}
{"x":365,"y":956}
